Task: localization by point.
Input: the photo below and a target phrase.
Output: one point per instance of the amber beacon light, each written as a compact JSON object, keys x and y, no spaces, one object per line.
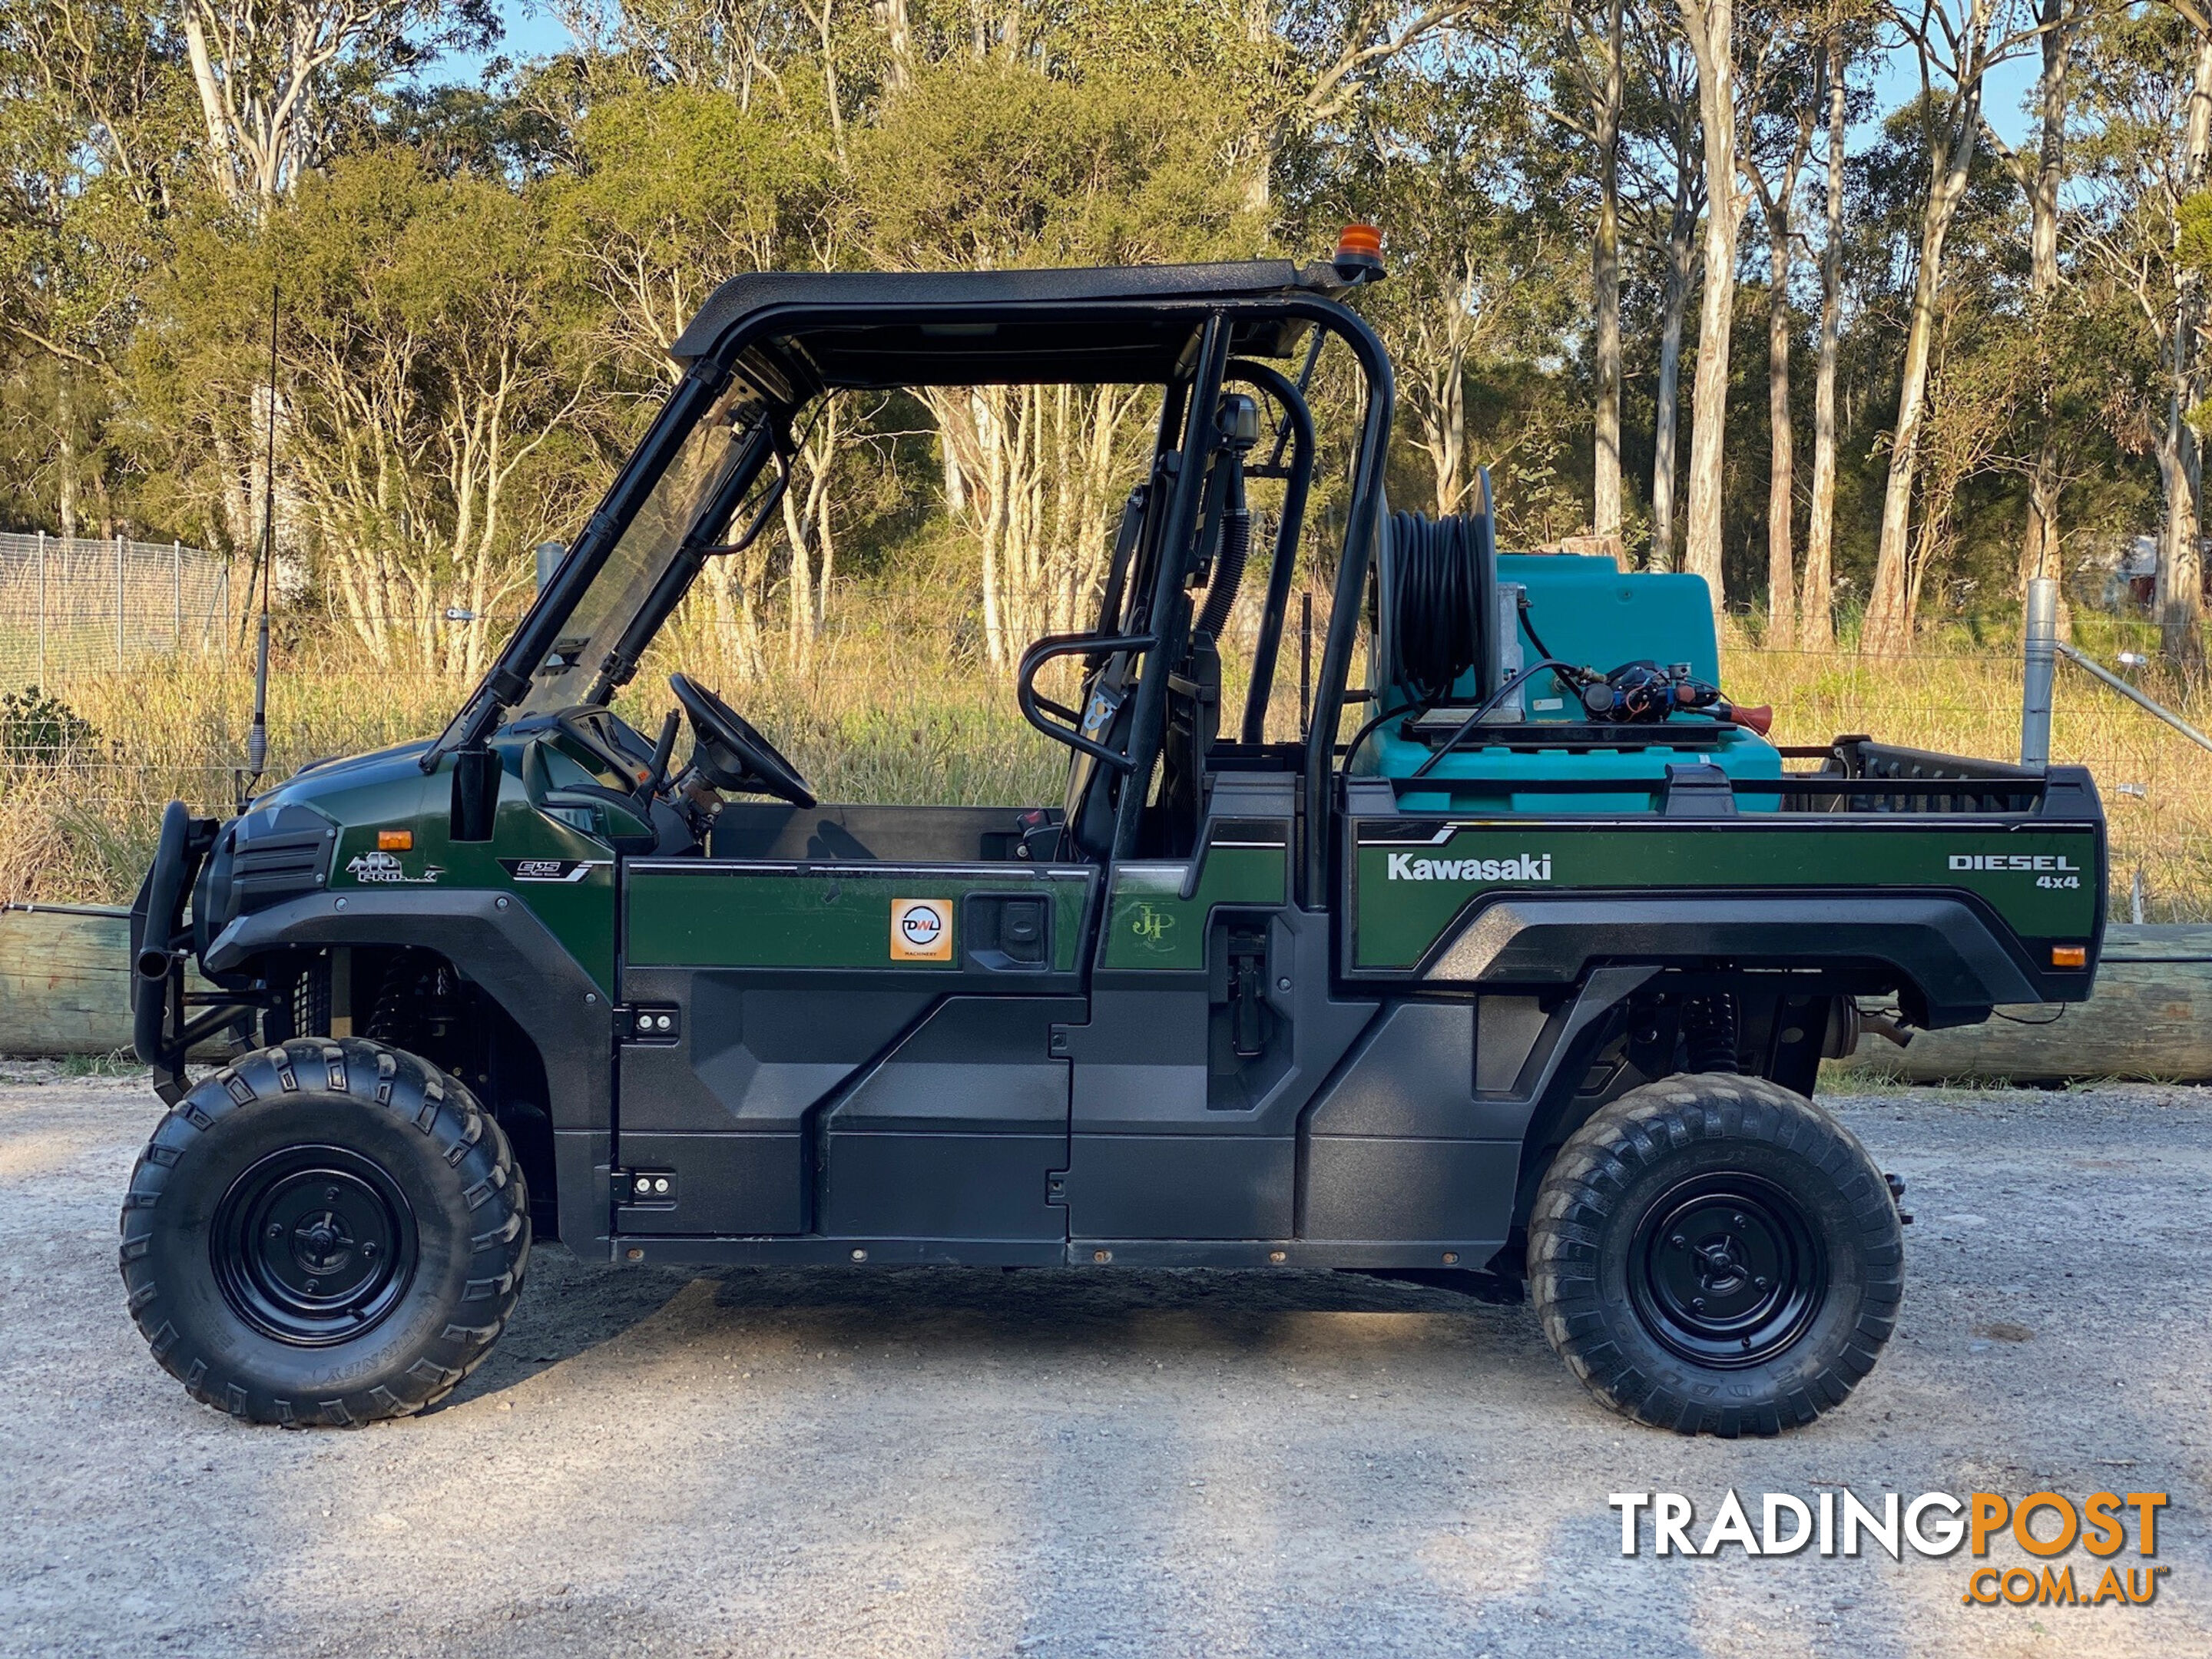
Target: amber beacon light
{"x":1359,"y":253}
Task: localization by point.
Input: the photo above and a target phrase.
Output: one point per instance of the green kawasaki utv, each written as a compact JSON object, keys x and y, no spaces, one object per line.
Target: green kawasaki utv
{"x":1519,"y":965}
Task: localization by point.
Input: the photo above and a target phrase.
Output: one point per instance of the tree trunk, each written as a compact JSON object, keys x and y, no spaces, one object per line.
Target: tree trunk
{"x":898,"y":44}
{"x":1605,"y":281}
{"x":2179,"y":591}
{"x":1711,"y":25}
{"x":1781,"y":559}
{"x":221,"y":159}
{"x":1816,"y":628}
{"x":1681,"y":236}
{"x":65,"y":450}
{"x":2039,"y":547}
{"x":799,"y":600}
{"x":1888,"y":625}
{"x":831,"y":92}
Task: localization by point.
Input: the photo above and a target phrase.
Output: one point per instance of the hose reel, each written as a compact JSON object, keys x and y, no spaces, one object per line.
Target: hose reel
{"x":1435,"y":602}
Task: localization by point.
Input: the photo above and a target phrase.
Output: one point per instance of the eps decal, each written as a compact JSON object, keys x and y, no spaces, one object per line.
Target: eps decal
{"x":551,"y":869}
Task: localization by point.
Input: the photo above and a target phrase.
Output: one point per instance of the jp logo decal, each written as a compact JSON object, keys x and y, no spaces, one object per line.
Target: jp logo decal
{"x":383,"y":869}
{"x":1152,"y":926}
{"x":921,"y":930}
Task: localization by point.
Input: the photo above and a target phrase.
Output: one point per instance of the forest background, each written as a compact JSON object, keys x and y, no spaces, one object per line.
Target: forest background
{"x":1758,"y":292}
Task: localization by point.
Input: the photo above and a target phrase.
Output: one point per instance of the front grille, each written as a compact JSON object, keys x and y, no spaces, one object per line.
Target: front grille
{"x":284,"y":859}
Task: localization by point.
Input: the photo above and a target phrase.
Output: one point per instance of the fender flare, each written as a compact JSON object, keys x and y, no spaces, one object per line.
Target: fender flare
{"x":1949,"y":959}
{"x":501,"y":947}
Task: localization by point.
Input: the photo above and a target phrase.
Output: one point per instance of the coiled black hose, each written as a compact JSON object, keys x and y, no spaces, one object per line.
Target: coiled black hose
{"x":1437,"y":621}
{"x":1229,"y":568}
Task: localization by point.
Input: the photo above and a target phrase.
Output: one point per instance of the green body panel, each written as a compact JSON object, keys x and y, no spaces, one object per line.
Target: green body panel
{"x":394,"y":794}
{"x":1397,"y":918}
{"x":739,"y":915}
{"x":1149,"y":926}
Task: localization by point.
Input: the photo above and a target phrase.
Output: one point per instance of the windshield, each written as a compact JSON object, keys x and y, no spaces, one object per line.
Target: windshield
{"x":691,"y":482}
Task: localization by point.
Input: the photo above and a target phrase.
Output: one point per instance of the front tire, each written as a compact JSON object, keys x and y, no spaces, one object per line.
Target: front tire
{"x":330,"y":1231}
{"x":1716,"y":1254}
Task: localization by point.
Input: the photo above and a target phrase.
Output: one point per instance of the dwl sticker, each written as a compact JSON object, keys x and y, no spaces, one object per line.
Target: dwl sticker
{"x":921,"y":930}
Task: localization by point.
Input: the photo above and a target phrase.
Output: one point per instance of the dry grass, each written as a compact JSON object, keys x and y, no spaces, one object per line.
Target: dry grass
{"x":870,"y":722}
{"x":896,"y":708}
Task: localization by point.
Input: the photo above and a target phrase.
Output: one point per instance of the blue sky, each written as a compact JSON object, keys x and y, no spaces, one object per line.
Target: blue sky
{"x":533,"y":32}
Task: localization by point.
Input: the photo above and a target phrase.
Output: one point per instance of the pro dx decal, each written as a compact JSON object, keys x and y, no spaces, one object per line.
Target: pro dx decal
{"x":550,"y":869}
{"x":1526,"y":866}
{"x":383,"y":868}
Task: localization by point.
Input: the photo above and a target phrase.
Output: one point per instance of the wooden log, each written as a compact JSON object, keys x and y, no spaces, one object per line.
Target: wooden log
{"x":2149,"y":1017}
{"x":65,"y":980}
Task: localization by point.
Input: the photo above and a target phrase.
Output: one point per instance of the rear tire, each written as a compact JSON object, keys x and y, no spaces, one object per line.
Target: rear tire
{"x":1716,"y":1254}
{"x":330,"y":1231}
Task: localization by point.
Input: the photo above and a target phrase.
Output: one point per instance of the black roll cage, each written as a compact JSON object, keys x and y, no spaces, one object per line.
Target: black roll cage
{"x":1214,"y":318}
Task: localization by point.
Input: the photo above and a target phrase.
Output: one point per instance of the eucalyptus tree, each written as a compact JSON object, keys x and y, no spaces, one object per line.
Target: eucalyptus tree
{"x":1710,"y":28}
{"x":1847,"y":34}
{"x":997,"y":164}
{"x":1456,"y":161}
{"x":434,"y":370}
{"x":1783,"y":93}
{"x":2143,"y":143}
{"x":1663,"y":154}
{"x":275,"y":79}
{"x":1955,"y":43}
{"x":93,"y":156}
{"x":1581,"y":50}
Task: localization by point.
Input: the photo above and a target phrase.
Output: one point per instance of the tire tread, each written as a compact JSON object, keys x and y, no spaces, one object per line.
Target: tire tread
{"x":468,"y":1141}
{"x":1595,"y":1171}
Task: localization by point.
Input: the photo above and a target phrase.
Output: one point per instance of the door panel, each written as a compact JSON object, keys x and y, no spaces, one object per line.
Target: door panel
{"x":1175,"y":1134}
{"x":864,"y":1049}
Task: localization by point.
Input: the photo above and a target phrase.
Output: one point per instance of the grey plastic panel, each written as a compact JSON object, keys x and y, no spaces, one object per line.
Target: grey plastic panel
{"x":753,"y":1057}
{"x":1397,"y":1188}
{"x":1181,"y":1186}
{"x":978,"y":1064}
{"x":945,"y":1186}
{"x":726,"y":1183}
{"x":1941,"y":946}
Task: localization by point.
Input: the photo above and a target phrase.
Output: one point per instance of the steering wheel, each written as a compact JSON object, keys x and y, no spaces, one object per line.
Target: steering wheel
{"x":730,"y":754}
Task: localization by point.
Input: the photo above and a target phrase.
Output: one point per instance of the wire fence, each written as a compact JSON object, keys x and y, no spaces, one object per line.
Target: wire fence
{"x":69,"y":604}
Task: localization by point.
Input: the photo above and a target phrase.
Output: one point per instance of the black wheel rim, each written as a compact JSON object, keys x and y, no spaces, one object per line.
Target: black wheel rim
{"x":1726,"y":1270}
{"x":313,"y":1245}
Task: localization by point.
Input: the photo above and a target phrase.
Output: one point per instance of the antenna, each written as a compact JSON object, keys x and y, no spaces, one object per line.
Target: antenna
{"x":257,"y":735}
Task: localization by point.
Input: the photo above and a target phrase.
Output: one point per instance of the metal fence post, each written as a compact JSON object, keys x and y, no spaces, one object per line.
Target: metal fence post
{"x":2041,"y":645}
{"x":176,"y":594}
{"x":118,"y":604}
{"x":42,"y":610}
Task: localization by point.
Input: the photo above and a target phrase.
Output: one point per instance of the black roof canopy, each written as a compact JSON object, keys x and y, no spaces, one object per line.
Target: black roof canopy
{"x":1125,"y":324}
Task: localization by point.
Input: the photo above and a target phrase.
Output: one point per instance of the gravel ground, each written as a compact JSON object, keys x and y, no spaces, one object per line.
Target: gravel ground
{"x":959,"y":1462}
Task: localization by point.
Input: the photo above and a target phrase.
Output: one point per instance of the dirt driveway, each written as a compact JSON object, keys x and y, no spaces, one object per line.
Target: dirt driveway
{"x":954,"y":1463}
